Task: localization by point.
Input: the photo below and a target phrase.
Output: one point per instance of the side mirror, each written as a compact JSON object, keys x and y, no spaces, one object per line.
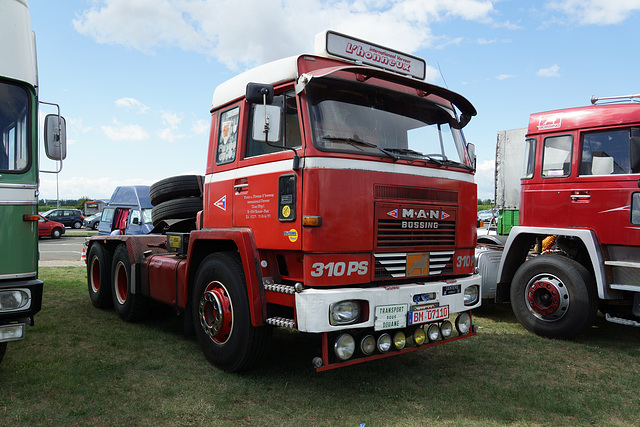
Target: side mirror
{"x":135,"y":221}
{"x":258,"y":93}
{"x":55,"y":137}
{"x":266,"y":123}
{"x":471,"y":150}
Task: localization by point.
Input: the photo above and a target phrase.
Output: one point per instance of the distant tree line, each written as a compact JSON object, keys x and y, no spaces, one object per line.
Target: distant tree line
{"x":64,"y":203}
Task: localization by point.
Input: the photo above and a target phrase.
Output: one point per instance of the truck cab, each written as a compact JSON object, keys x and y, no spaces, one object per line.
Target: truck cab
{"x":579,"y":222}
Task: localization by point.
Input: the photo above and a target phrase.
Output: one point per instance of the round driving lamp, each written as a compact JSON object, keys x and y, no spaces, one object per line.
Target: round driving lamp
{"x":399,"y":340}
{"x":419,"y":336}
{"x":384,"y":343}
{"x":344,"y":347}
{"x":368,"y":345}
{"x":463,"y":323}
{"x":446,"y":329}
{"x":433,"y":332}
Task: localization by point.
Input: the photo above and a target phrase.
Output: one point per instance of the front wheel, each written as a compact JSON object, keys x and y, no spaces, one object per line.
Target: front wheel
{"x":554,"y":297}
{"x":56,"y":233}
{"x":130,"y":307}
{"x":221,"y":316}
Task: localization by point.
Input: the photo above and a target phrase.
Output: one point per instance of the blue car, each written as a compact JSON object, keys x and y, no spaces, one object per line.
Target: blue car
{"x":128,"y":212}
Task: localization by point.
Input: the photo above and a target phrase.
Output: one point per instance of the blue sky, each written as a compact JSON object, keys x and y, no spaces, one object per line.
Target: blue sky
{"x":135,"y":79}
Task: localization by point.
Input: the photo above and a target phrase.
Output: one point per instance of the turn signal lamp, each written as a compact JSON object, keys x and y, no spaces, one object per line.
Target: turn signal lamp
{"x":31,"y":217}
{"x":311,"y":221}
{"x":463,"y":323}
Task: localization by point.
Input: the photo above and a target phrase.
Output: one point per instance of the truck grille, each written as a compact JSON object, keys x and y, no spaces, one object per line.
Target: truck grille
{"x":411,"y":226}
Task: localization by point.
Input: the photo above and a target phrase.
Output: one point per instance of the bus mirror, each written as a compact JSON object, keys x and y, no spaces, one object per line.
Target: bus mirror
{"x":266,"y":123}
{"x":258,"y":93}
{"x":55,"y":137}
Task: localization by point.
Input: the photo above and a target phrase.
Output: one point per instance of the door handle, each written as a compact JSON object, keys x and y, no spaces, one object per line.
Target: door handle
{"x":580,"y":195}
{"x":239,"y":187}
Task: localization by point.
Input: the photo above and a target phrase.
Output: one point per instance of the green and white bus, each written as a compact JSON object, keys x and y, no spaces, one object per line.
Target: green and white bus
{"x":20,"y":289}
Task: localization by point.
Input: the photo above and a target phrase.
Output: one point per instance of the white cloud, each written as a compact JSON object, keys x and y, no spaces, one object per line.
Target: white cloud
{"x":171,"y":119}
{"x":132,"y":103}
{"x":596,"y":12}
{"x":200,"y":127}
{"x":120,"y":132}
{"x":549,"y":72}
{"x":211,"y":26}
{"x":486,"y":41}
{"x":505,"y":76}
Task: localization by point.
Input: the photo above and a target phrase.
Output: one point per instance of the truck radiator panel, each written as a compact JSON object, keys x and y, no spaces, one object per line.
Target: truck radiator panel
{"x":392,"y":234}
{"x":394,"y":265}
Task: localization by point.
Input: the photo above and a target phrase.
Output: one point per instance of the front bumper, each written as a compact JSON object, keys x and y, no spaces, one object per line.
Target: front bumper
{"x":313,"y":305}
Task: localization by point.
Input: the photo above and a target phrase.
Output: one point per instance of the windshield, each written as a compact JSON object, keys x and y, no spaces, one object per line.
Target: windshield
{"x":14,"y":148}
{"x":360,"y":118}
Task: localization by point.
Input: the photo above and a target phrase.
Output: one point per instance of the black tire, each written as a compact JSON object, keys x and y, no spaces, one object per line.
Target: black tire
{"x":554,"y":296}
{"x":3,"y":349}
{"x":99,"y":276}
{"x":175,"y":187}
{"x":95,"y":225}
{"x":77,"y":225}
{"x":56,"y":233}
{"x":176,"y":209}
{"x":221,"y":316}
{"x":129,"y":307}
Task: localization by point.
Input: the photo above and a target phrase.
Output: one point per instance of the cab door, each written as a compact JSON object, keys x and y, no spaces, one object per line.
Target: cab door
{"x":609,"y":177}
{"x":266,"y":188}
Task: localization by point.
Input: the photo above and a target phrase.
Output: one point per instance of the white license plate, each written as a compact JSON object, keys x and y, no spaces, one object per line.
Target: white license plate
{"x":391,"y":316}
{"x":428,"y":315}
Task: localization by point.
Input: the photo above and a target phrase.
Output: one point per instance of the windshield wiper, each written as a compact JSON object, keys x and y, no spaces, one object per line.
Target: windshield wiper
{"x":355,"y":142}
{"x":418,"y":154}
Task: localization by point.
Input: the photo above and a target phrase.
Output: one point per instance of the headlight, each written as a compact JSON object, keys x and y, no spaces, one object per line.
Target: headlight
{"x":344,"y":312}
{"x":14,"y":299}
{"x":463,"y":323}
{"x":368,"y":345}
{"x":446,"y":328}
{"x":344,"y":347}
{"x":384,"y":343}
{"x":433,"y":332}
{"x":12,"y":332}
{"x":471,"y":295}
{"x":399,"y":340}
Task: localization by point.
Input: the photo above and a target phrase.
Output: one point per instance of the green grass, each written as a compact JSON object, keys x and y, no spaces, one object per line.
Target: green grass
{"x":82,"y":366}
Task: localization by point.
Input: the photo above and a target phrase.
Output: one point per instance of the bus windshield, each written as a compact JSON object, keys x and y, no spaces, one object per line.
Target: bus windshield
{"x":365,"y":119}
{"x":14,"y":147}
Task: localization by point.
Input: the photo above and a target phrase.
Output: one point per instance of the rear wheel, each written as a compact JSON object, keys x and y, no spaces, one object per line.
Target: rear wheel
{"x":77,"y":225}
{"x":221,"y":316}
{"x":99,"y":276}
{"x":554,"y":297}
{"x":129,"y":306}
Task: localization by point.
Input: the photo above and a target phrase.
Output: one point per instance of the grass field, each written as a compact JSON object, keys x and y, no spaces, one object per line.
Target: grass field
{"x":83,"y":366}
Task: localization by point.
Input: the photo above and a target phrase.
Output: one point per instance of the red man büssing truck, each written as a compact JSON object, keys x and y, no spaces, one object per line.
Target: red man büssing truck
{"x":338,"y":200}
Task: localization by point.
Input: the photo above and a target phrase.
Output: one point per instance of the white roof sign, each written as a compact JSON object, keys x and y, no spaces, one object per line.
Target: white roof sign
{"x":347,"y":47}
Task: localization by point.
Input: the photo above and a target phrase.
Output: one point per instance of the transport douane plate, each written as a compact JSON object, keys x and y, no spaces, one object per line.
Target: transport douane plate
{"x":428,"y":315}
{"x":392,"y":316}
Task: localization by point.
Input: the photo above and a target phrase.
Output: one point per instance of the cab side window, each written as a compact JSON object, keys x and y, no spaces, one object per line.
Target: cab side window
{"x":228,"y":136}
{"x":556,"y":156}
{"x":608,"y":152}
{"x":290,"y":127}
{"x":635,"y":209}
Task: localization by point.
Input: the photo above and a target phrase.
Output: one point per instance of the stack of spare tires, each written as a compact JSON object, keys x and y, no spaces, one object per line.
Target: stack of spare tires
{"x":176,"y":202}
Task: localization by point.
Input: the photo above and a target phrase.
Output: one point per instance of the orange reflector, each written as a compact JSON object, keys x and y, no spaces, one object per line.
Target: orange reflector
{"x":312,"y":221}
{"x":30,"y":217}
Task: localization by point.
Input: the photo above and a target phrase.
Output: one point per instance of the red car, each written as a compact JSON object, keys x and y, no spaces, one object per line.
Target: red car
{"x":47,"y":227}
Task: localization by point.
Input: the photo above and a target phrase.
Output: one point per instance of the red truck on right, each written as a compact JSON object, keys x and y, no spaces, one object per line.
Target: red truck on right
{"x":576,"y":248}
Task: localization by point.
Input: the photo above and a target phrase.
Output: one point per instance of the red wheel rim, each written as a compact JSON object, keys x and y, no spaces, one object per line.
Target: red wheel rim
{"x":216,"y":313}
{"x":122,"y":284}
{"x":95,"y":274}
{"x":547,"y":297}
